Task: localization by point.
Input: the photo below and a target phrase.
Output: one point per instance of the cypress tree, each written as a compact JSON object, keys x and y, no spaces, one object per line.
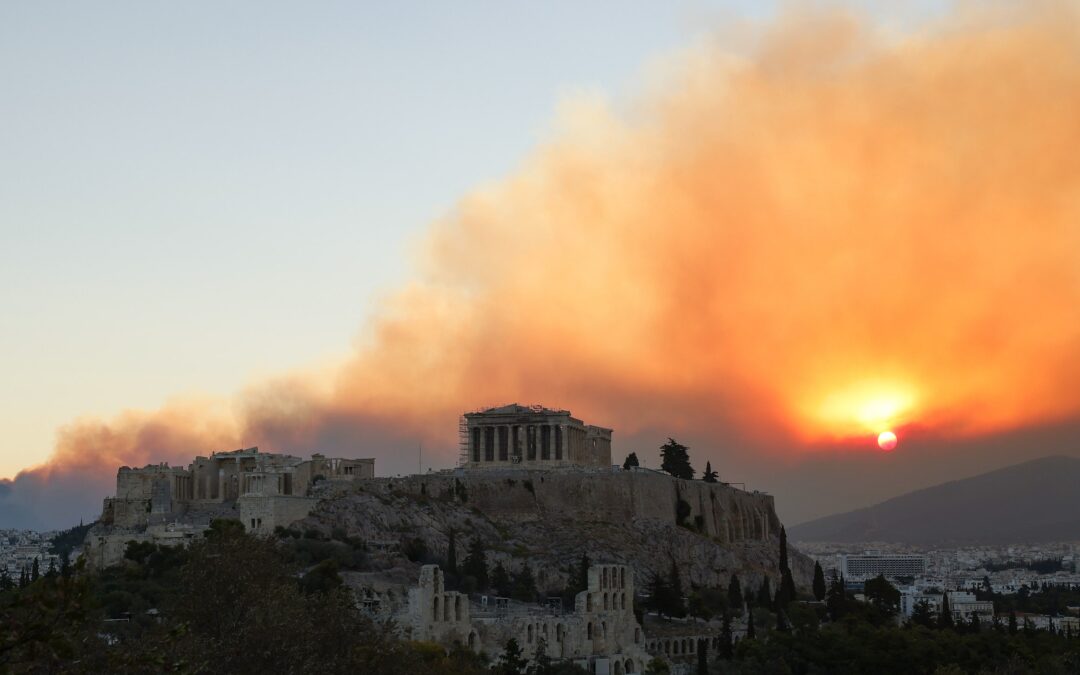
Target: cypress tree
{"x":786,"y":592}
{"x":500,"y":580}
{"x":702,"y":657}
{"x":819,"y":582}
{"x":631,"y":461}
{"x":1013,"y":628}
{"x":709,"y":476}
{"x":764,"y":594}
{"x":945,"y":618}
{"x":35,"y":571}
{"x":734,"y":593}
{"x":727,"y":646}
{"x":675,"y":599}
{"x":451,"y":553}
{"x":583,"y":572}
{"x":750,"y":633}
{"x":476,"y":564}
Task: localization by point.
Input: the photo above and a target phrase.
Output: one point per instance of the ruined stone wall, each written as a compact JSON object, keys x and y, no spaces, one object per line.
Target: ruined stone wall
{"x":514,"y":496}
{"x":600,"y":630}
{"x":262,"y":513}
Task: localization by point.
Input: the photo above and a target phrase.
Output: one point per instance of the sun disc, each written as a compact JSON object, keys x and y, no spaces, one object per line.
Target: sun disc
{"x":886,"y":440}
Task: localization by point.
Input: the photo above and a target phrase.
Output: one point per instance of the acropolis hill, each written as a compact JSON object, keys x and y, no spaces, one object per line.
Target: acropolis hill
{"x":535,"y":487}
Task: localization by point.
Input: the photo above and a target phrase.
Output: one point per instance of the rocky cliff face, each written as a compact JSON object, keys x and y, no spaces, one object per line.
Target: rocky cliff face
{"x":548,"y":519}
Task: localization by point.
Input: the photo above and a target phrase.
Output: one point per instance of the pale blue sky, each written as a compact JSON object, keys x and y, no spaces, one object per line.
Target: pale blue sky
{"x":196,"y":194}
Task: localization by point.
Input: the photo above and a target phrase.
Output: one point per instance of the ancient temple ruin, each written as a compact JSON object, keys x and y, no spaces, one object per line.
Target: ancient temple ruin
{"x":170,"y":505}
{"x":531,"y":437}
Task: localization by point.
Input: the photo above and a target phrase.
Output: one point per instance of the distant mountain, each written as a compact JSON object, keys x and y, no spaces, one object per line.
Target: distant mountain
{"x":1036,"y":501}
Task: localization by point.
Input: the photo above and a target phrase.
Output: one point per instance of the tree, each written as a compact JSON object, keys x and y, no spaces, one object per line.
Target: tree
{"x":512,"y":662}
{"x":819,"y":582}
{"x":675,"y":459}
{"x":541,"y":664}
{"x":786,"y":592}
{"x":836,"y":599}
{"x":709,"y":476}
{"x":1013,"y":628}
{"x":945,"y":617}
{"x":922,"y":615}
{"x":524,"y":585}
{"x":764,"y":594}
{"x":35,"y":571}
{"x":676,"y":606}
{"x":476,"y":563}
{"x":500,"y":580}
{"x":734,"y":593}
{"x":882,"y":595}
{"x":631,"y":461}
{"x":582,"y":581}
{"x":750,"y":632}
{"x":451,"y":553}
{"x":702,"y":657}
{"x":727,"y":646}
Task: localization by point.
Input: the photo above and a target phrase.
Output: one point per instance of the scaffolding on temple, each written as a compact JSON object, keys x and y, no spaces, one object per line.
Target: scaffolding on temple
{"x":463,"y":441}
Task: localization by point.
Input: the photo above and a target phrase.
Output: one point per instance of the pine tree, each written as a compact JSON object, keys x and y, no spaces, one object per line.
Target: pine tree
{"x":675,"y":459}
{"x":819,"y":582}
{"x":512,"y":662}
{"x":541,"y":664}
{"x":922,"y":615}
{"x":476,"y":564}
{"x":709,"y":476}
{"x":451,"y":553}
{"x":631,"y":461}
{"x":734,"y":594}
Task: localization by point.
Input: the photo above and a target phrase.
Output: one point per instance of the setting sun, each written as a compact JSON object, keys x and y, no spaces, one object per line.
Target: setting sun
{"x":886,"y":440}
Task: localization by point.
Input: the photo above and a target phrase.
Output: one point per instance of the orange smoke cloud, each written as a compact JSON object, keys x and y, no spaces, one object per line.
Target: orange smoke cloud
{"x":831,"y":233}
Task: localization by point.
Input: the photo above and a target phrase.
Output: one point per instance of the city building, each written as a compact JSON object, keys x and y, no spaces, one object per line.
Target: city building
{"x":872,"y":564}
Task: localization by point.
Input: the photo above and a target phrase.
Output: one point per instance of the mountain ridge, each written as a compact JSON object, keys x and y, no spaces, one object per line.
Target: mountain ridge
{"x":1034,"y":501}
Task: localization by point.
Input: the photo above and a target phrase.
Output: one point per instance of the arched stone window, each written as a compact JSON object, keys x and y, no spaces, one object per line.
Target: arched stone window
{"x":530,"y":631}
{"x":588,"y":631}
{"x":603,"y":578}
{"x":622,"y":584}
{"x":629,"y":666}
{"x":472,"y":641}
{"x":457,"y":608}
{"x":605,"y":601}
{"x":588,"y":602}
{"x":447,"y":610}
{"x":435,"y":609}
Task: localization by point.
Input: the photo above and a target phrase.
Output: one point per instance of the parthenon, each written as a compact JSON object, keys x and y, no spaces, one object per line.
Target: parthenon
{"x":532,"y":437}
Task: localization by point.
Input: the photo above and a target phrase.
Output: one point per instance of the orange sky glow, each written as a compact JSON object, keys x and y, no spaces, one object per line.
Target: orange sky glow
{"x":825,"y":234}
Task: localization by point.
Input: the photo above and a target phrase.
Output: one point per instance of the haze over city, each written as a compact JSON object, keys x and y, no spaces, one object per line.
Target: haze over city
{"x":833,"y":250}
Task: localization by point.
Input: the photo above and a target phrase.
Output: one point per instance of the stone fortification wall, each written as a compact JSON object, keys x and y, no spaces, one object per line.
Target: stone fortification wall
{"x":261,"y":513}
{"x":519,"y":496}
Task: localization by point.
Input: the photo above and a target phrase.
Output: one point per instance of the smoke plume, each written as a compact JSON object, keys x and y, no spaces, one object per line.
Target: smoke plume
{"x":779,"y":252}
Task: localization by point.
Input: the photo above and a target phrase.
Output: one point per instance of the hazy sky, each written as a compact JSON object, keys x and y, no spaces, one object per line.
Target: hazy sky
{"x":194,"y":195}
